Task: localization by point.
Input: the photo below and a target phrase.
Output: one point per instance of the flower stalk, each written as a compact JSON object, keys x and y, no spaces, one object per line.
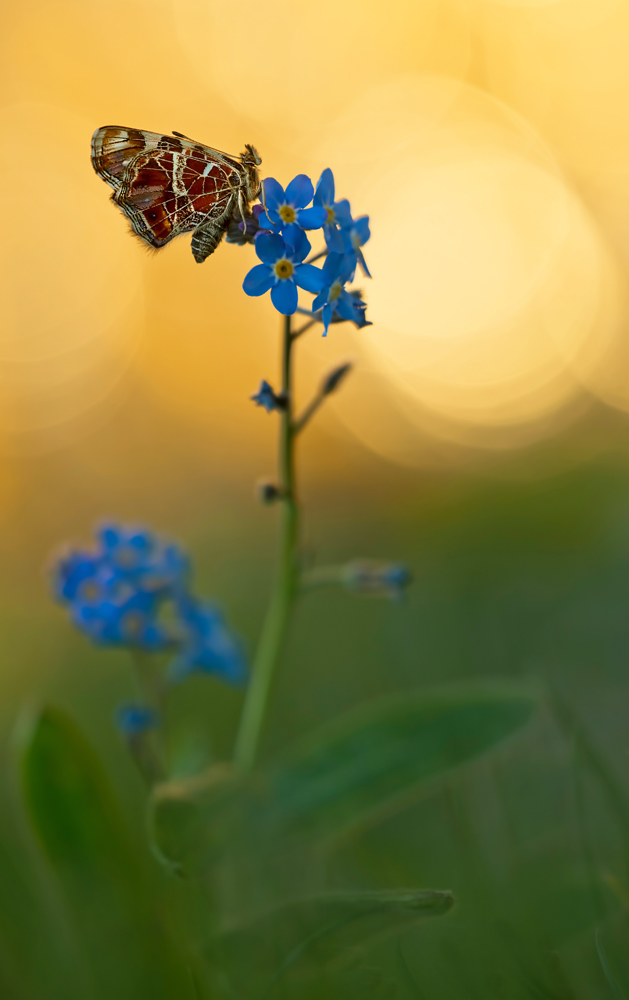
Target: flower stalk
{"x":286,"y":585}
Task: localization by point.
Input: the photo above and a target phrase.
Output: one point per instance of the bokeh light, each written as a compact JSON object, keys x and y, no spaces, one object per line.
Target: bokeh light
{"x":483,"y":138}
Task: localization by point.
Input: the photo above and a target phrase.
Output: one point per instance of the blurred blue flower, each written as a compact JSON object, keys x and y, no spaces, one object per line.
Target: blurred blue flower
{"x":333,"y":297}
{"x":265,"y":396}
{"x":381,"y":579}
{"x":115,"y":591}
{"x":337,"y":212}
{"x":133,"y":720}
{"x":140,"y":558}
{"x":207,"y":644}
{"x":283,"y":270}
{"x":120,"y":616}
{"x":286,"y":208}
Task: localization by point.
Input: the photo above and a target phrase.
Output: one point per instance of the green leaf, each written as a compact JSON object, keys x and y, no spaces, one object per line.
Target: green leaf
{"x":611,"y":979}
{"x":72,"y":807}
{"x":371,"y":761}
{"x":363,"y":766}
{"x":311,"y":932}
{"x":76,"y":820}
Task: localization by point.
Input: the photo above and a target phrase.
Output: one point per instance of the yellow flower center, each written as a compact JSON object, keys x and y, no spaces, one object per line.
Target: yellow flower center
{"x":330,"y":218}
{"x":133,"y":625}
{"x":126,"y":557}
{"x":89,"y":591}
{"x":335,"y":290}
{"x":287,"y":214}
{"x":284,"y":268}
{"x":356,"y":241}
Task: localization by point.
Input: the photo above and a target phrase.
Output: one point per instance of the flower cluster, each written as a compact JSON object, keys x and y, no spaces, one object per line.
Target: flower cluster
{"x":278,"y":228}
{"x":133,"y":590}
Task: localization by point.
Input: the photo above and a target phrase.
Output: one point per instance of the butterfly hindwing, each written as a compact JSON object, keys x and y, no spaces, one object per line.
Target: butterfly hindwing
{"x":168,"y":185}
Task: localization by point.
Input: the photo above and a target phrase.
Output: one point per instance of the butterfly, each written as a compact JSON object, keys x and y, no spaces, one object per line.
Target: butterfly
{"x":168,"y":184}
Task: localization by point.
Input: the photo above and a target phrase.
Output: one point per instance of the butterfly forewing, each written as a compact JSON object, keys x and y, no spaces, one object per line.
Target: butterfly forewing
{"x":168,"y":185}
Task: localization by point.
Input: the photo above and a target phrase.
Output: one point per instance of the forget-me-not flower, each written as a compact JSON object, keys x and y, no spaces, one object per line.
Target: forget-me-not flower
{"x":282,"y":270}
{"x":133,"y":720}
{"x":266,"y":397}
{"x":355,"y":235}
{"x":337,"y":212}
{"x":132,"y":590}
{"x":207,"y":644}
{"x":286,"y":208}
{"x":333,"y":297}
{"x":114,"y":591}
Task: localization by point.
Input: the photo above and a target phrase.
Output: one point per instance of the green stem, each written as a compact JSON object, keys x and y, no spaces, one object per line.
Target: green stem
{"x":275,"y":625}
{"x":148,"y":748}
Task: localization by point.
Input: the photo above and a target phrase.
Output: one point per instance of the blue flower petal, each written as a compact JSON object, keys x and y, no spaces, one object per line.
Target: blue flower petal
{"x":343,"y":214}
{"x":309,"y":277}
{"x":270,"y":247}
{"x":300,"y":191}
{"x":299,"y":244}
{"x":259,"y":279}
{"x":344,"y":306}
{"x":321,"y":298}
{"x":332,"y":267}
{"x":284,"y":297}
{"x":273,"y":193}
{"x":264,"y":222}
{"x":109,"y":536}
{"x":324,"y":194}
{"x":363,"y":264}
{"x":361,"y":229}
{"x":312,"y":218}
{"x":333,"y":239}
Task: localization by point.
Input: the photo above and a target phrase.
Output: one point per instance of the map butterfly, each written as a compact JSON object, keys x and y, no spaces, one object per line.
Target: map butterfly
{"x":167,"y":185}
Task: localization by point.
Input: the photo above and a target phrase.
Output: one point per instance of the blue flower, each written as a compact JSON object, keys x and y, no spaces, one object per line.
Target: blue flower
{"x":265,"y":396}
{"x":142,"y":558}
{"x":337,"y":212}
{"x":133,"y":720}
{"x":286,"y":208}
{"x":120,"y":616}
{"x":115,"y":591}
{"x":72,"y":572}
{"x":333,"y":297}
{"x":381,"y":579}
{"x":283,"y":270}
{"x":355,"y":235}
{"x":207,"y":644}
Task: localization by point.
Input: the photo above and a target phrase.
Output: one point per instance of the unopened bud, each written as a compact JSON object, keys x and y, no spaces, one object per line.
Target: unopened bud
{"x":268,"y":492}
{"x":334,"y":379}
{"x":384,"y":579}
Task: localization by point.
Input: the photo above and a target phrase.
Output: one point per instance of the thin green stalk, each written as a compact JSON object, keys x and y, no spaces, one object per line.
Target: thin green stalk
{"x":148,"y":748}
{"x":275,"y":625}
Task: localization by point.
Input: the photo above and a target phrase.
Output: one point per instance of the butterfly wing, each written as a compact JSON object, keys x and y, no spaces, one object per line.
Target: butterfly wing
{"x":166,"y":185}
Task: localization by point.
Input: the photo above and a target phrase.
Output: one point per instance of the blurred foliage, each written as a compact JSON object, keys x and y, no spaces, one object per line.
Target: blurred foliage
{"x":526,"y":825}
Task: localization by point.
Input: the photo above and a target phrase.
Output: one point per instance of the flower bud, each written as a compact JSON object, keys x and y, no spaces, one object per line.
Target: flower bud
{"x":268,"y":492}
{"x":335,"y":377}
{"x":381,"y":579}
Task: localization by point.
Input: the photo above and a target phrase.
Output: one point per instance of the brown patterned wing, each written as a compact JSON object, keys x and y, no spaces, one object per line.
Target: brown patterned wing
{"x":166,"y":185}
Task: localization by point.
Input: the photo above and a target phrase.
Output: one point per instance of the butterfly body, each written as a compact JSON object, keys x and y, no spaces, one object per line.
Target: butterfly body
{"x":167,"y":185}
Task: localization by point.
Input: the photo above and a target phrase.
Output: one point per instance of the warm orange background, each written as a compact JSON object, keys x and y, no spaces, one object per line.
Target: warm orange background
{"x":488,"y":141}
